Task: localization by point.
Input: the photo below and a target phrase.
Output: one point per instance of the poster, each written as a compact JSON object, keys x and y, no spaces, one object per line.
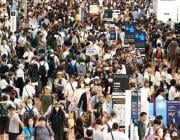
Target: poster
{"x":166,"y":9}
{"x":94,"y":9}
{"x":129,"y":31}
{"x":173,"y":112}
{"x":151,"y":110}
{"x":161,"y":109}
{"x":112,"y":33}
{"x":120,"y":82}
{"x":13,"y":21}
{"x":135,"y":105}
{"x":140,"y":41}
{"x":91,"y":51}
{"x":120,"y":108}
{"x":108,"y":14}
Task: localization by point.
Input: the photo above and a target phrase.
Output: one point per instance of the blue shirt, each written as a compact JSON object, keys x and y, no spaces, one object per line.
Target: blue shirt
{"x":28,"y":133}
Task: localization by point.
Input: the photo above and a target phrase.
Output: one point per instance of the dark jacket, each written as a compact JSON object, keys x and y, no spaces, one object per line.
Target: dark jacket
{"x":83,"y":102}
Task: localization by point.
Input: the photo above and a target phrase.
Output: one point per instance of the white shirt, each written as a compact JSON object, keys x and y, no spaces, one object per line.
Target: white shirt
{"x":30,"y":106}
{"x":168,"y":78}
{"x":29,"y":55}
{"x":3,"y":84}
{"x":28,"y":90}
{"x":20,"y":74}
{"x":117,"y":136}
{"x":70,"y":90}
{"x":145,"y":92}
{"x":159,"y":97}
{"x":172,"y":93}
{"x":158,"y":78}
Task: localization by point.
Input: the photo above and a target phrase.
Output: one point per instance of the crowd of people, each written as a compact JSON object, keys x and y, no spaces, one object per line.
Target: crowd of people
{"x":50,"y":88}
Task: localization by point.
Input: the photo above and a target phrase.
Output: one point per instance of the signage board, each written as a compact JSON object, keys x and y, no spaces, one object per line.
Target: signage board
{"x":129,"y":31}
{"x":161,"y":109}
{"x":91,"y":51}
{"x":120,"y":82}
{"x":135,"y":105}
{"x":173,"y":112}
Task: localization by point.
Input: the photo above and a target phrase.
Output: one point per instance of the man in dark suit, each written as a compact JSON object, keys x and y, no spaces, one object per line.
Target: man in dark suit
{"x":85,"y":100}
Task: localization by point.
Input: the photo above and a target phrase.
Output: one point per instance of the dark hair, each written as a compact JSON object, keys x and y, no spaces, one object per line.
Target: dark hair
{"x":159,"y":117}
{"x":115,"y":126}
{"x":173,"y":82}
{"x":156,"y":68}
{"x":169,"y":71}
{"x":157,"y":121}
{"x":79,"y":122}
{"x":142,"y":114}
{"x":89,"y":133}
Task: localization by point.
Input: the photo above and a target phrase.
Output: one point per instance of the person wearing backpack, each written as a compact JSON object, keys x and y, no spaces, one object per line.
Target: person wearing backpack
{"x":158,"y":55}
{"x":42,"y":131}
{"x":81,"y":68}
{"x":29,"y":111}
{"x":33,"y":70}
{"x":53,"y":62}
{"x":4,"y":118}
{"x":43,"y":71}
{"x":59,"y":85}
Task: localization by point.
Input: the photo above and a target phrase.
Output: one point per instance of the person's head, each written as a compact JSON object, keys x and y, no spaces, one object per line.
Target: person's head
{"x":115,"y":126}
{"x":143,"y":116}
{"x":30,"y":122}
{"x":159,"y":117}
{"x":108,"y":97}
{"x":57,"y":107}
{"x":174,"y":134}
{"x":173,"y":82}
{"x":157,"y":68}
{"x":12,"y":108}
{"x":29,"y":102}
{"x":107,"y":118}
{"x":159,"y":133}
{"x":47,"y":90}
{"x":89,"y":133}
{"x":42,"y":121}
{"x":101,"y":98}
{"x":87,"y":88}
{"x":146,"y":83}
{"x":156,"y":124}
{"x":166,"y":135}
{"x":59,"y":74}
{"x":169,"y":71}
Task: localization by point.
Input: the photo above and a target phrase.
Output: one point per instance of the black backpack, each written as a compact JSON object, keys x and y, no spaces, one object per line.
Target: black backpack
{"x":52,"y":65}
{"x":42,"y":70}
{"x":3,"y":110}
{"x":29,"y":113}
{"x":33,"y":72}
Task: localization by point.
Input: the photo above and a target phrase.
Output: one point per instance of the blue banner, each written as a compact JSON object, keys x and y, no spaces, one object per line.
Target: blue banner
{"x":129,"y":31}
{"x":135,"y":105}
{"x":161,"y":109}
{"x":151,"y":110}
{"x":173,"y":112}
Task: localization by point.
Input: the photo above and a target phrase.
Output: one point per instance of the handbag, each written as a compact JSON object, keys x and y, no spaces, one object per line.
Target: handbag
{"x":73,"y":105}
